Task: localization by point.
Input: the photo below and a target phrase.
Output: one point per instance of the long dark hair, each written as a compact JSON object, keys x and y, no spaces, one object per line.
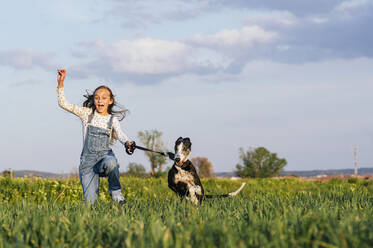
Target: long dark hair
{"x":113,"y":109}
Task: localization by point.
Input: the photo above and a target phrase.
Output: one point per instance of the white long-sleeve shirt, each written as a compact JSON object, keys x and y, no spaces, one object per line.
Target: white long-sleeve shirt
{"x":98,"y":120}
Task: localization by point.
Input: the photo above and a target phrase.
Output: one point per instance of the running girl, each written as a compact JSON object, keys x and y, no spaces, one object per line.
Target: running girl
{"x":100,"y":129}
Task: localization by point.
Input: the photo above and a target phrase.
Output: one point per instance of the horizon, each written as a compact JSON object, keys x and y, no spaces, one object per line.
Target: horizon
{"x":217,"y":172}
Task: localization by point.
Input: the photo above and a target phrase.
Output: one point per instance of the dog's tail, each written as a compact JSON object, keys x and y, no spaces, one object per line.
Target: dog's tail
{"x":227,"y":195}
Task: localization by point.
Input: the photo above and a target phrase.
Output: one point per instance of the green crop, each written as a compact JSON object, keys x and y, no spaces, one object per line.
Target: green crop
{"x":267,"y":213}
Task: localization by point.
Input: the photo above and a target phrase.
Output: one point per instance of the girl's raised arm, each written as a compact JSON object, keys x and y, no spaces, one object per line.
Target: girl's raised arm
{"x":82,"y":112}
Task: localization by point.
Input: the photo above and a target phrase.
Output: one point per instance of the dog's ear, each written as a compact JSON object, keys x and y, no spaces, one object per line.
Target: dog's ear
{"x":171,"y":155}
{"x":187,"y":141}
{"x":178,"y":141}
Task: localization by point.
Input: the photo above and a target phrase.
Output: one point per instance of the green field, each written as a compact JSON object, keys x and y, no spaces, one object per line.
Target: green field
{"x":267,"y":213}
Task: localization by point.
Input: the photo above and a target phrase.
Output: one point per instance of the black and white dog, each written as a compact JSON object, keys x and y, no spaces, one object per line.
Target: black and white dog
{"x":183,"y":177}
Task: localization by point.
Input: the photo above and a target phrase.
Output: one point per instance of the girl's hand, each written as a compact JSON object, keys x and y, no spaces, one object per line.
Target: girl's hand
{"x":61,"y":77}
{"x":128,"y":143}
{"x":130,"y":147}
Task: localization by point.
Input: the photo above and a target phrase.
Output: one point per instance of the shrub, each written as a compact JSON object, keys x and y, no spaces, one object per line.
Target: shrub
{"x":259,"y":162}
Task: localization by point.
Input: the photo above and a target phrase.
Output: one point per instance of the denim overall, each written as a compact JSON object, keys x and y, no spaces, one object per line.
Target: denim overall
{"x":97,"y":160}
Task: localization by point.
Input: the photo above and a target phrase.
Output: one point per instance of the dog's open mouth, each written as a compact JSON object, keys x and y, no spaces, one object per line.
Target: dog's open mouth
{"x":180,"y":162}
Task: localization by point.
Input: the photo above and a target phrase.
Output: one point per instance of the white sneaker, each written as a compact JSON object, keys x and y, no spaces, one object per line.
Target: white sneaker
{"x":117,"y":196}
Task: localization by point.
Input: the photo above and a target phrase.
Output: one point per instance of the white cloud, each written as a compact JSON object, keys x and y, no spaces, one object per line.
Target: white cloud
{"x":319,"y":20}
{"x":143,"y":14}
{"x":283,"y":47}
{"x":284,"y":18}
{"x":353,"y":4}
{"x":149,"y":56}
{"x":26,"y":59}
{"x":245,"y":37}
{"x":152,"y":60}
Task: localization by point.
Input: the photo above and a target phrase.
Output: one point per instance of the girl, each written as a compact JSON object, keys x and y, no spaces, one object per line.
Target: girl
{"x":100,"y":128}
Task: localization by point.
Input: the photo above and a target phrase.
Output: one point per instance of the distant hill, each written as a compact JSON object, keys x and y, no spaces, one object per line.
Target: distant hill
{"x":226,"y":174}
{"x":22,"y":173}
{"x":310,"y":173}
{"x":313,"y":173}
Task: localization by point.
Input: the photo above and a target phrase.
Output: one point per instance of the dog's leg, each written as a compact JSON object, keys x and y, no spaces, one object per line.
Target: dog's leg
{"x":194,"y":192}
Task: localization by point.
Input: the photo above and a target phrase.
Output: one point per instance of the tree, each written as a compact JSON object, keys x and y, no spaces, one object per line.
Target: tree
{"x":136,"y":170}
{"x":8,"y":173}
{"x":203,"y":167}
{"x":259,"y":162}
{"x":152,"y":140}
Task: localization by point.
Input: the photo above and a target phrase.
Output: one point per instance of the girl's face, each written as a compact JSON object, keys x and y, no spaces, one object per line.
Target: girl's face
{"x":102,"y":101}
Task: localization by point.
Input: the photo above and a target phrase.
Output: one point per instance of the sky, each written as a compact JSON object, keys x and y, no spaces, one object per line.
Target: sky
{"x":293,"y":76}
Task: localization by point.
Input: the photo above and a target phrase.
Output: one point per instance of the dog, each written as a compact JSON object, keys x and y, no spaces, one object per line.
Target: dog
{"x":183,"y":178}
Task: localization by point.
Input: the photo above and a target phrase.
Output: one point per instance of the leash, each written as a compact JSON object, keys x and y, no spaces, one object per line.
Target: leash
{"x":131,"y":148}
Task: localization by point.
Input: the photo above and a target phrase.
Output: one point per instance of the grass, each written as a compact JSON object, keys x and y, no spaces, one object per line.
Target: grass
{"x":267,"y":213}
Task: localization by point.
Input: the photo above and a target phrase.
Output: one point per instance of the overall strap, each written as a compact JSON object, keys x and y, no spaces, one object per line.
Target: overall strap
{"x":90,"y":117}
{"x":110,"y":123}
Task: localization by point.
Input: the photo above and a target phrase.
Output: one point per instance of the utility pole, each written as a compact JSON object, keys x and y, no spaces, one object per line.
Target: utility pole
{"x":355,"y":160}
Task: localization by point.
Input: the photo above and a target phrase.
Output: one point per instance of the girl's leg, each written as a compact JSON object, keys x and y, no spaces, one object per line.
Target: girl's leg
{"x":90,"y":183}
{"x":109,"y":167}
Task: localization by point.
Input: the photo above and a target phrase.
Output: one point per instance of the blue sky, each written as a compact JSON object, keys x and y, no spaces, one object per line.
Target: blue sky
{"x":292,"y":76}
